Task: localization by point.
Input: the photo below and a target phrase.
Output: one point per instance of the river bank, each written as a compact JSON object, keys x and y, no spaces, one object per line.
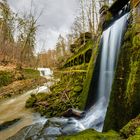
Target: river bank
{"x":14,"y":109}
{"x":13,"y":95}
{"x":63,"y":95}
{"x":14,"y":81}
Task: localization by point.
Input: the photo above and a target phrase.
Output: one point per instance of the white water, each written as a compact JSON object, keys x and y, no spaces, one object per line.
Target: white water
{"x":45,"y":71}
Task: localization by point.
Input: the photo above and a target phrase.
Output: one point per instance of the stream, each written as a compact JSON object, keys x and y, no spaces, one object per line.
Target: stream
{"x":14,"y":108}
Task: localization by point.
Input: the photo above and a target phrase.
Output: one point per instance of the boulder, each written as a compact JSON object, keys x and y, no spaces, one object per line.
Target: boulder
{"x":28,"y":132}
{"x":7,"y":124}
{"x":52,"y":131}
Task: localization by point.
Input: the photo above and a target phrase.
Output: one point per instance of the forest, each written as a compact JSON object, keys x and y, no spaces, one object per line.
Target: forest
{"x":70,"y":70}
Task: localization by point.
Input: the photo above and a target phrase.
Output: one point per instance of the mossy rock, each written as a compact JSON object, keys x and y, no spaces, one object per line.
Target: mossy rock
{"x":78,"y":89}
{"x":108,"y":17}
{"x":31,"y":101}
{"x":92,"y":135}
{"x":132,"y":129}
{"x":7,"y":77}
{"x":136,"y":136}
{"x":7,"y":124}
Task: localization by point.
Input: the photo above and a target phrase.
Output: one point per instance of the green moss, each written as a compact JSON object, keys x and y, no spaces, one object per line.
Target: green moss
{"x":132,"y":129}
{"x":78,"y":89}
{"x":31,"y":101}
{"x":30,"y":73}
{"x":82,"y":51}
{"x":132,"y":80}
{"x":108,"y":17}
{"x":136,"y":136}
{"x":64,"y":94}
{"x":89,"y":75}
{"x":130,"y":132}
{"x":92,"y":135}
{"x":6,"y":78}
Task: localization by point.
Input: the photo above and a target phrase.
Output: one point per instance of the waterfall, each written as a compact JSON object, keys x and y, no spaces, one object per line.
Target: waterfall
{"x":112,"y":39}
{"x":45,"y":71}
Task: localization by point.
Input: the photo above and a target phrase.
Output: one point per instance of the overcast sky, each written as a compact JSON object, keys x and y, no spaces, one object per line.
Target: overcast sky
{"x":57,"y":17}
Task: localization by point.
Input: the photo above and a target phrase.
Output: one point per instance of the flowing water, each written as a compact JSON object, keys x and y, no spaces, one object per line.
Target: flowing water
{"x":13,"y":108}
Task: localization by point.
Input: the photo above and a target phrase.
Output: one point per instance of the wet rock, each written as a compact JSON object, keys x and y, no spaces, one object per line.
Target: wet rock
{"x":45,"y":138}
{"x":56,"y":122}
{"x":27,"y":132}
{"x":70,"y":129}
{"x":52,"y":131}
{"x":7,"y":124}
{"x":98,"y":122}
{"x":73,"y":126}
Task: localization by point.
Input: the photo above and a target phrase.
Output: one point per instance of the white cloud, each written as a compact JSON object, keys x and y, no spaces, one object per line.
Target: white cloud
{"x":57,"y":17}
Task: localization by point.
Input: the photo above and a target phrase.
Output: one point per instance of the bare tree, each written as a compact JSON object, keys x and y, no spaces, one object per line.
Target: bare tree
{"x":22,"y":45}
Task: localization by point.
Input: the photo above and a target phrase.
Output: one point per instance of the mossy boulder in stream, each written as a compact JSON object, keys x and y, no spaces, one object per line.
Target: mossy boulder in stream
{"x":7,"y":124}
{"x":30,"y":102}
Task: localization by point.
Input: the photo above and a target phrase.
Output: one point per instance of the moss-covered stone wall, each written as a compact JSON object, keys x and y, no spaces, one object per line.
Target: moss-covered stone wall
{"x":83,"y":56}
{"x":125,"y":96}
{"x":89,"y":81}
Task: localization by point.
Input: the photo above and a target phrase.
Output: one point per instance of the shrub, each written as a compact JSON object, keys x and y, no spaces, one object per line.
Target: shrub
{"x":6,"y":78}
{"x":31,"y":101}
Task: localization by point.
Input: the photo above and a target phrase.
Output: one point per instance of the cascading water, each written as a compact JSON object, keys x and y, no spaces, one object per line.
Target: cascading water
{"x":45,"y":71}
